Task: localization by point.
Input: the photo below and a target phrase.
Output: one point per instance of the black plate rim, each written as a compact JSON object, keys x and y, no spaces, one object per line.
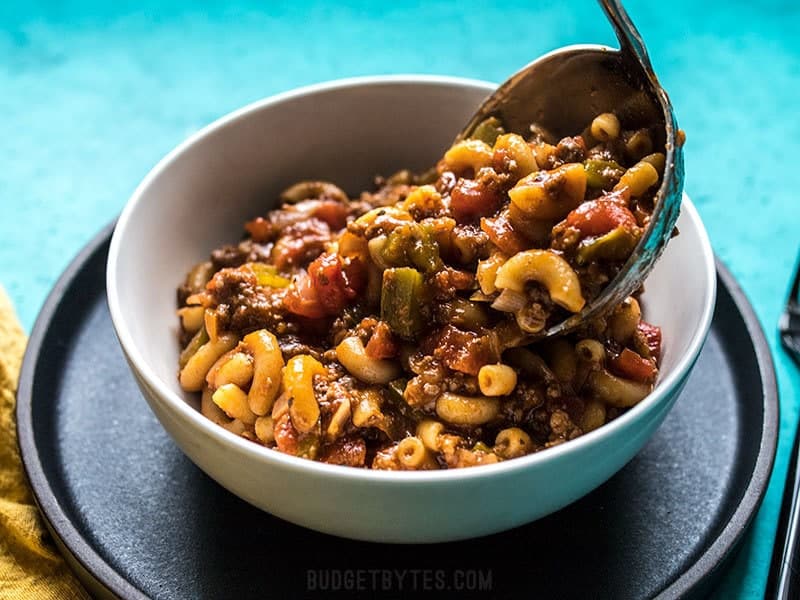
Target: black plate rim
{"x":710,"y":562}
{"x":66,"y":535}
{"x":91,"y":564}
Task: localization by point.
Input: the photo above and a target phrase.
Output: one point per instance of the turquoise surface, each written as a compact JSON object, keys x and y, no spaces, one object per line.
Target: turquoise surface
{"x":93,"y":93}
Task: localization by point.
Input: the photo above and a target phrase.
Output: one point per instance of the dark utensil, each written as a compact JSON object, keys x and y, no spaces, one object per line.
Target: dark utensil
{"x":563,"y":91}
{"x":784,"y":576}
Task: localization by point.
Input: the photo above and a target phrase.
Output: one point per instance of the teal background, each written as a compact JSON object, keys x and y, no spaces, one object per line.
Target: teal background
{"x":93,"y":93}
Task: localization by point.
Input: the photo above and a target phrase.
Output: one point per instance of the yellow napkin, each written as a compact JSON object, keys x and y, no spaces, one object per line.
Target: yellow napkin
{"x":30,"y":565}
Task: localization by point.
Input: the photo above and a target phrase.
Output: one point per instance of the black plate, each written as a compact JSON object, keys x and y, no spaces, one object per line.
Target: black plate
{"x":137,"y":518}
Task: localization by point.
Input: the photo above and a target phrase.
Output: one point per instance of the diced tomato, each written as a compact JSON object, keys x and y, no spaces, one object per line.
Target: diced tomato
{"x":330,"y":284}
{"x":332,"y":212}
{"x":298,"y":225}
{"x":260,"y":229}
{"x":355,"y":276}
{"x":471,"y":199}
{"x":302,"y":299}
{"x":652,"y":335}
{"x":598,"y":217}
{"x":632,"y":366}
{"x":463,"y":351}
{"x":286,"y":435}
{"x":382,"y":343}
{"x":503,"y":235}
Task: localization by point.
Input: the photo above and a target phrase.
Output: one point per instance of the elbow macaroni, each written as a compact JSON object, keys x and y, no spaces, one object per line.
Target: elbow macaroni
{"x":267,"y":368}
{"x":351,"y":353}
{"x":616,"y":391}
{"x":516,"y":149}
{"x":544,"y":267}
{"x":469,"y":154}
{"x":497,"y":380}
{"x":412,"y":454}
{"x":551,"y":194}
{"x":466,"y":410}
{"x":605,"y":127}
{"x":512,"y":442}
{"x":638,"y":179}
{"x":298,"y":381}
{"x":193,"y":375}
{"x":231,"y":399}
{"x":429,"y":431}
{"x":191,"y":318}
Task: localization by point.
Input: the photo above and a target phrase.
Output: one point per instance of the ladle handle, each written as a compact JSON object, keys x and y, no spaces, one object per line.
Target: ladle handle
{"x":629,"y":37}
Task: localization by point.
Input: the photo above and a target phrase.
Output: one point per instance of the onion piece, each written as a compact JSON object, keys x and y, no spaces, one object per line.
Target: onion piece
{"x":510,"y":301}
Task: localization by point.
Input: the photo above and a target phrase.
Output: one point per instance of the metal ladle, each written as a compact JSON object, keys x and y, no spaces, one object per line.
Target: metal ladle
{"x":563,"y":91}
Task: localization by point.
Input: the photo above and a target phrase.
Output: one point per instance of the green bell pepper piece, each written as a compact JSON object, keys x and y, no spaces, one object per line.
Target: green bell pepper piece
{"x":308,"y":446}
{"x":401,"y":301}
{"x":397,"y":388}
{"x":617,"y":244}
{"x":200,"y":338}
{"x":412,"y":245}
{"x":481,"y":447}
{"x":488,"y":130}
{"x":603,"y":174}
{"x":267,"y":275}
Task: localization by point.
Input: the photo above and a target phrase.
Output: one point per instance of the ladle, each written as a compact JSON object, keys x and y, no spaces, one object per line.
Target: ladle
{"x":563,"y":91}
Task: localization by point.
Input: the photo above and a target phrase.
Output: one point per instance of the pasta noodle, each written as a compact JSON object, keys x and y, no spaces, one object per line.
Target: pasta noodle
{"x":193,"y":375}
{"x":429,"y":431}
{"x":466,"y":410}
{"x":497,"y":380}
{"x":550,"y":194}
{"x":605,"y":127}
{"x":469,"y":154}
{"x":233,"y":401}
{"x":547,"y":268}
{"x":512,"y":147}
{"x":512,"y":442}
{"x":267,"y":366}
{"x":353,"y":356}
{"x":298,"y":381}
{"x":616,"y":391}
{"x":411,"y":453}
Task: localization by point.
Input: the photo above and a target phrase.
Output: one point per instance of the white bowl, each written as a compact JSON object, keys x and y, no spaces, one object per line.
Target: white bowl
{"x":347,"y":131}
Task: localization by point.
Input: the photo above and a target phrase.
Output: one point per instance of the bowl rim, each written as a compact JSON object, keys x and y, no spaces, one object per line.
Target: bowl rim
{"x":203,"y":426}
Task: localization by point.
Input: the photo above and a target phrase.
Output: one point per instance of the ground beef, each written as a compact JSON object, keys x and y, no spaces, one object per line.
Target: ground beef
{"x":446,"y":182}
{"x":292,"y":345}
{"x":243,"y":306}
{"x":350,"y":451}
{"x":468,"y":243}
{"x":386,"y":195}
{"x":423,"y":390}
{"x":244,"y":252}
{"x":446,"y":284}
{"x":518,"y":407}
{"x":571,"y":150}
